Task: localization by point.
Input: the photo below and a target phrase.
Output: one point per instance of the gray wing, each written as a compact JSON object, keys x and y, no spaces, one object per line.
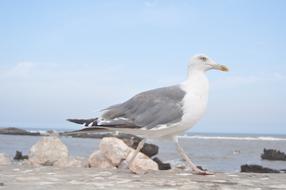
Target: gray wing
{"x":148,"y":109}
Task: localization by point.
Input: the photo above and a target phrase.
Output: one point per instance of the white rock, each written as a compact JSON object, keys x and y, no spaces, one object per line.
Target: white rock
{"x":98,"y":160}
{"x":4,"y":160}
{"x":49,"y":151}
{"x":141,"y":163}
{"x":115,"y":153}
{"x":114,"y":150}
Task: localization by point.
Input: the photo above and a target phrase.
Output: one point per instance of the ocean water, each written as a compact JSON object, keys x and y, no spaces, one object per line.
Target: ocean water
{"x":216,"y":152}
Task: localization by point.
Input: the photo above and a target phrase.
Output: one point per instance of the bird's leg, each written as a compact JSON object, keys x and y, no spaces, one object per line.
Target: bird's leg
{"x":184,"y":156}
{"x":139,"y":147}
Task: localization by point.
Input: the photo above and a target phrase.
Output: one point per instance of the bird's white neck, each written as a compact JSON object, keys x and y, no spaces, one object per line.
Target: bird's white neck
{"x":195,"y":101}
{"x":197,"y":83}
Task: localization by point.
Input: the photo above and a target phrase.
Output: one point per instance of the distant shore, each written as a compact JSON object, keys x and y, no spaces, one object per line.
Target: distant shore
{"x":18,"y":131}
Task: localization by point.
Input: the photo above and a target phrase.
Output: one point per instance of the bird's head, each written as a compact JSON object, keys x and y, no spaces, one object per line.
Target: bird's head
{"x":204,"y":63}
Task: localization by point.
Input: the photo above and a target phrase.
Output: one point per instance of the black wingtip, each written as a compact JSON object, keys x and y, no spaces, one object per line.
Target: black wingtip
{"x":85,"y":122}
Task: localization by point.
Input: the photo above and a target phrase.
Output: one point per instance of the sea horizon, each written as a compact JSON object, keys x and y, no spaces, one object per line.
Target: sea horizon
{"x":190,"y":133}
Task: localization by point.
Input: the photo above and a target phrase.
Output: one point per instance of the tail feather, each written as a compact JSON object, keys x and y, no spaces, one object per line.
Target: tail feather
{"x":90,"y":130}
{"x":85,"y":122}
{"x":92,"y":125}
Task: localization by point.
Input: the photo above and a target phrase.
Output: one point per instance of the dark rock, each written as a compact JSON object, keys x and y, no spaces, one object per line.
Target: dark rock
{"x":257,"y":169}
{"x":133,"y":141}
{"x":161,"y":165}
{"x":16,"y":131}
{"x":201,"y":168}
{"x":150,"y":150}
{"x":272,"y":154}
{"x":20,"y":156}
{"x":1,"y":184}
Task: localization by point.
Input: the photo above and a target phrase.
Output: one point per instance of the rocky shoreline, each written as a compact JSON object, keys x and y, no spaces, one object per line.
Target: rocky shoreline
{"x":148,"y":149}
{"x":49,"y":166}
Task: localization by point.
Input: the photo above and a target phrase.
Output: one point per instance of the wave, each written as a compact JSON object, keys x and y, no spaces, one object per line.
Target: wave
{"x":44,"y":132}
{"x":260,"y":138}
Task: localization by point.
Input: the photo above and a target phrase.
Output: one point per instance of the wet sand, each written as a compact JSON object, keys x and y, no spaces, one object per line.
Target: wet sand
{"x":25,"y":177}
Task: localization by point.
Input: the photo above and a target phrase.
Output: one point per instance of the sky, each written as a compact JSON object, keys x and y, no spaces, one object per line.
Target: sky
{"x":66,"y":59}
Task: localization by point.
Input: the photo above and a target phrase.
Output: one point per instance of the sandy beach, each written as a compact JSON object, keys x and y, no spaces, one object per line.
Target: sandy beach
{"x":25,"y":177}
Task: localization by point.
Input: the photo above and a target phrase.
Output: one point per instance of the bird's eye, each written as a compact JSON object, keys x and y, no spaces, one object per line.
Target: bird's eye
{"x":203,"y":58}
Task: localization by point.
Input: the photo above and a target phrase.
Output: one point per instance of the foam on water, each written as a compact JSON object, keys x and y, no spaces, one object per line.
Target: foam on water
{"x":259,"y":138}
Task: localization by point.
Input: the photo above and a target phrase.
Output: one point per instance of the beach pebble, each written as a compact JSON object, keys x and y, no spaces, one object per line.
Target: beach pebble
{"x":98,"y":160}
{"x":181,"y":166}
{"x":49,"y":151}
{"x":70,"y":162}
{"x":142,"y":163}
{"x":78,"y":162}
{"x":4,"y":160}
{"x":114,"y":149}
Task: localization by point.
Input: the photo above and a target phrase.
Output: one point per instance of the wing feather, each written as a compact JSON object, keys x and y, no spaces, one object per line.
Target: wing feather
{"x":149,"y":109}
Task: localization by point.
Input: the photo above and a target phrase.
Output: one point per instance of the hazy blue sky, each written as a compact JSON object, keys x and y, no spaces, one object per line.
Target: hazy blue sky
{"x":62,"y":59}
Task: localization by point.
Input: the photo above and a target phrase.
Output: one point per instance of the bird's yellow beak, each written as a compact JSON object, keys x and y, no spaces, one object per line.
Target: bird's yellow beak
{"x":220,"y":67}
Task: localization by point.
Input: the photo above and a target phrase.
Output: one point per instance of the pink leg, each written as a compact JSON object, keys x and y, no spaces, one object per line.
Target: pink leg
{"x":184,"y":156}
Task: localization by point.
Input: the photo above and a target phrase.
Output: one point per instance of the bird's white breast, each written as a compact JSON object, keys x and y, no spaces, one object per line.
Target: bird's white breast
{"x":195,"y":100}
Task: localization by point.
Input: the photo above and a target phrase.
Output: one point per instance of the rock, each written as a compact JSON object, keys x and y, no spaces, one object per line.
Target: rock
{"x":4,"y":160}
{"x":123,"y":165}
{"x":181,"y":166}
{"x":20,"y":156}
{"x":71,"y":162}
{"x":201,"y":168}
{"x":117,"y":153}
{"x":142,"y":163}
{"x":161,"y":165}
{"x":78,"y":162}
{"x":257,"y":169}
{"x":283,"y":171}
{"x":16,"y":131}
{"x":272,"y":154}
{"x":98,"y":160}
{"x":49,"y":151}
{"x":149,"y":149}
{"x":115,"y":150}
{"x":132,"y":141}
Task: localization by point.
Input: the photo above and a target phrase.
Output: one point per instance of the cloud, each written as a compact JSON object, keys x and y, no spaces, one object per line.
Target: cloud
{"x":20,"y":70}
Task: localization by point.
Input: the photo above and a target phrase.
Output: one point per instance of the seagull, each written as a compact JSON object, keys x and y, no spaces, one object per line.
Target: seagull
{"x":163,"y":112}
